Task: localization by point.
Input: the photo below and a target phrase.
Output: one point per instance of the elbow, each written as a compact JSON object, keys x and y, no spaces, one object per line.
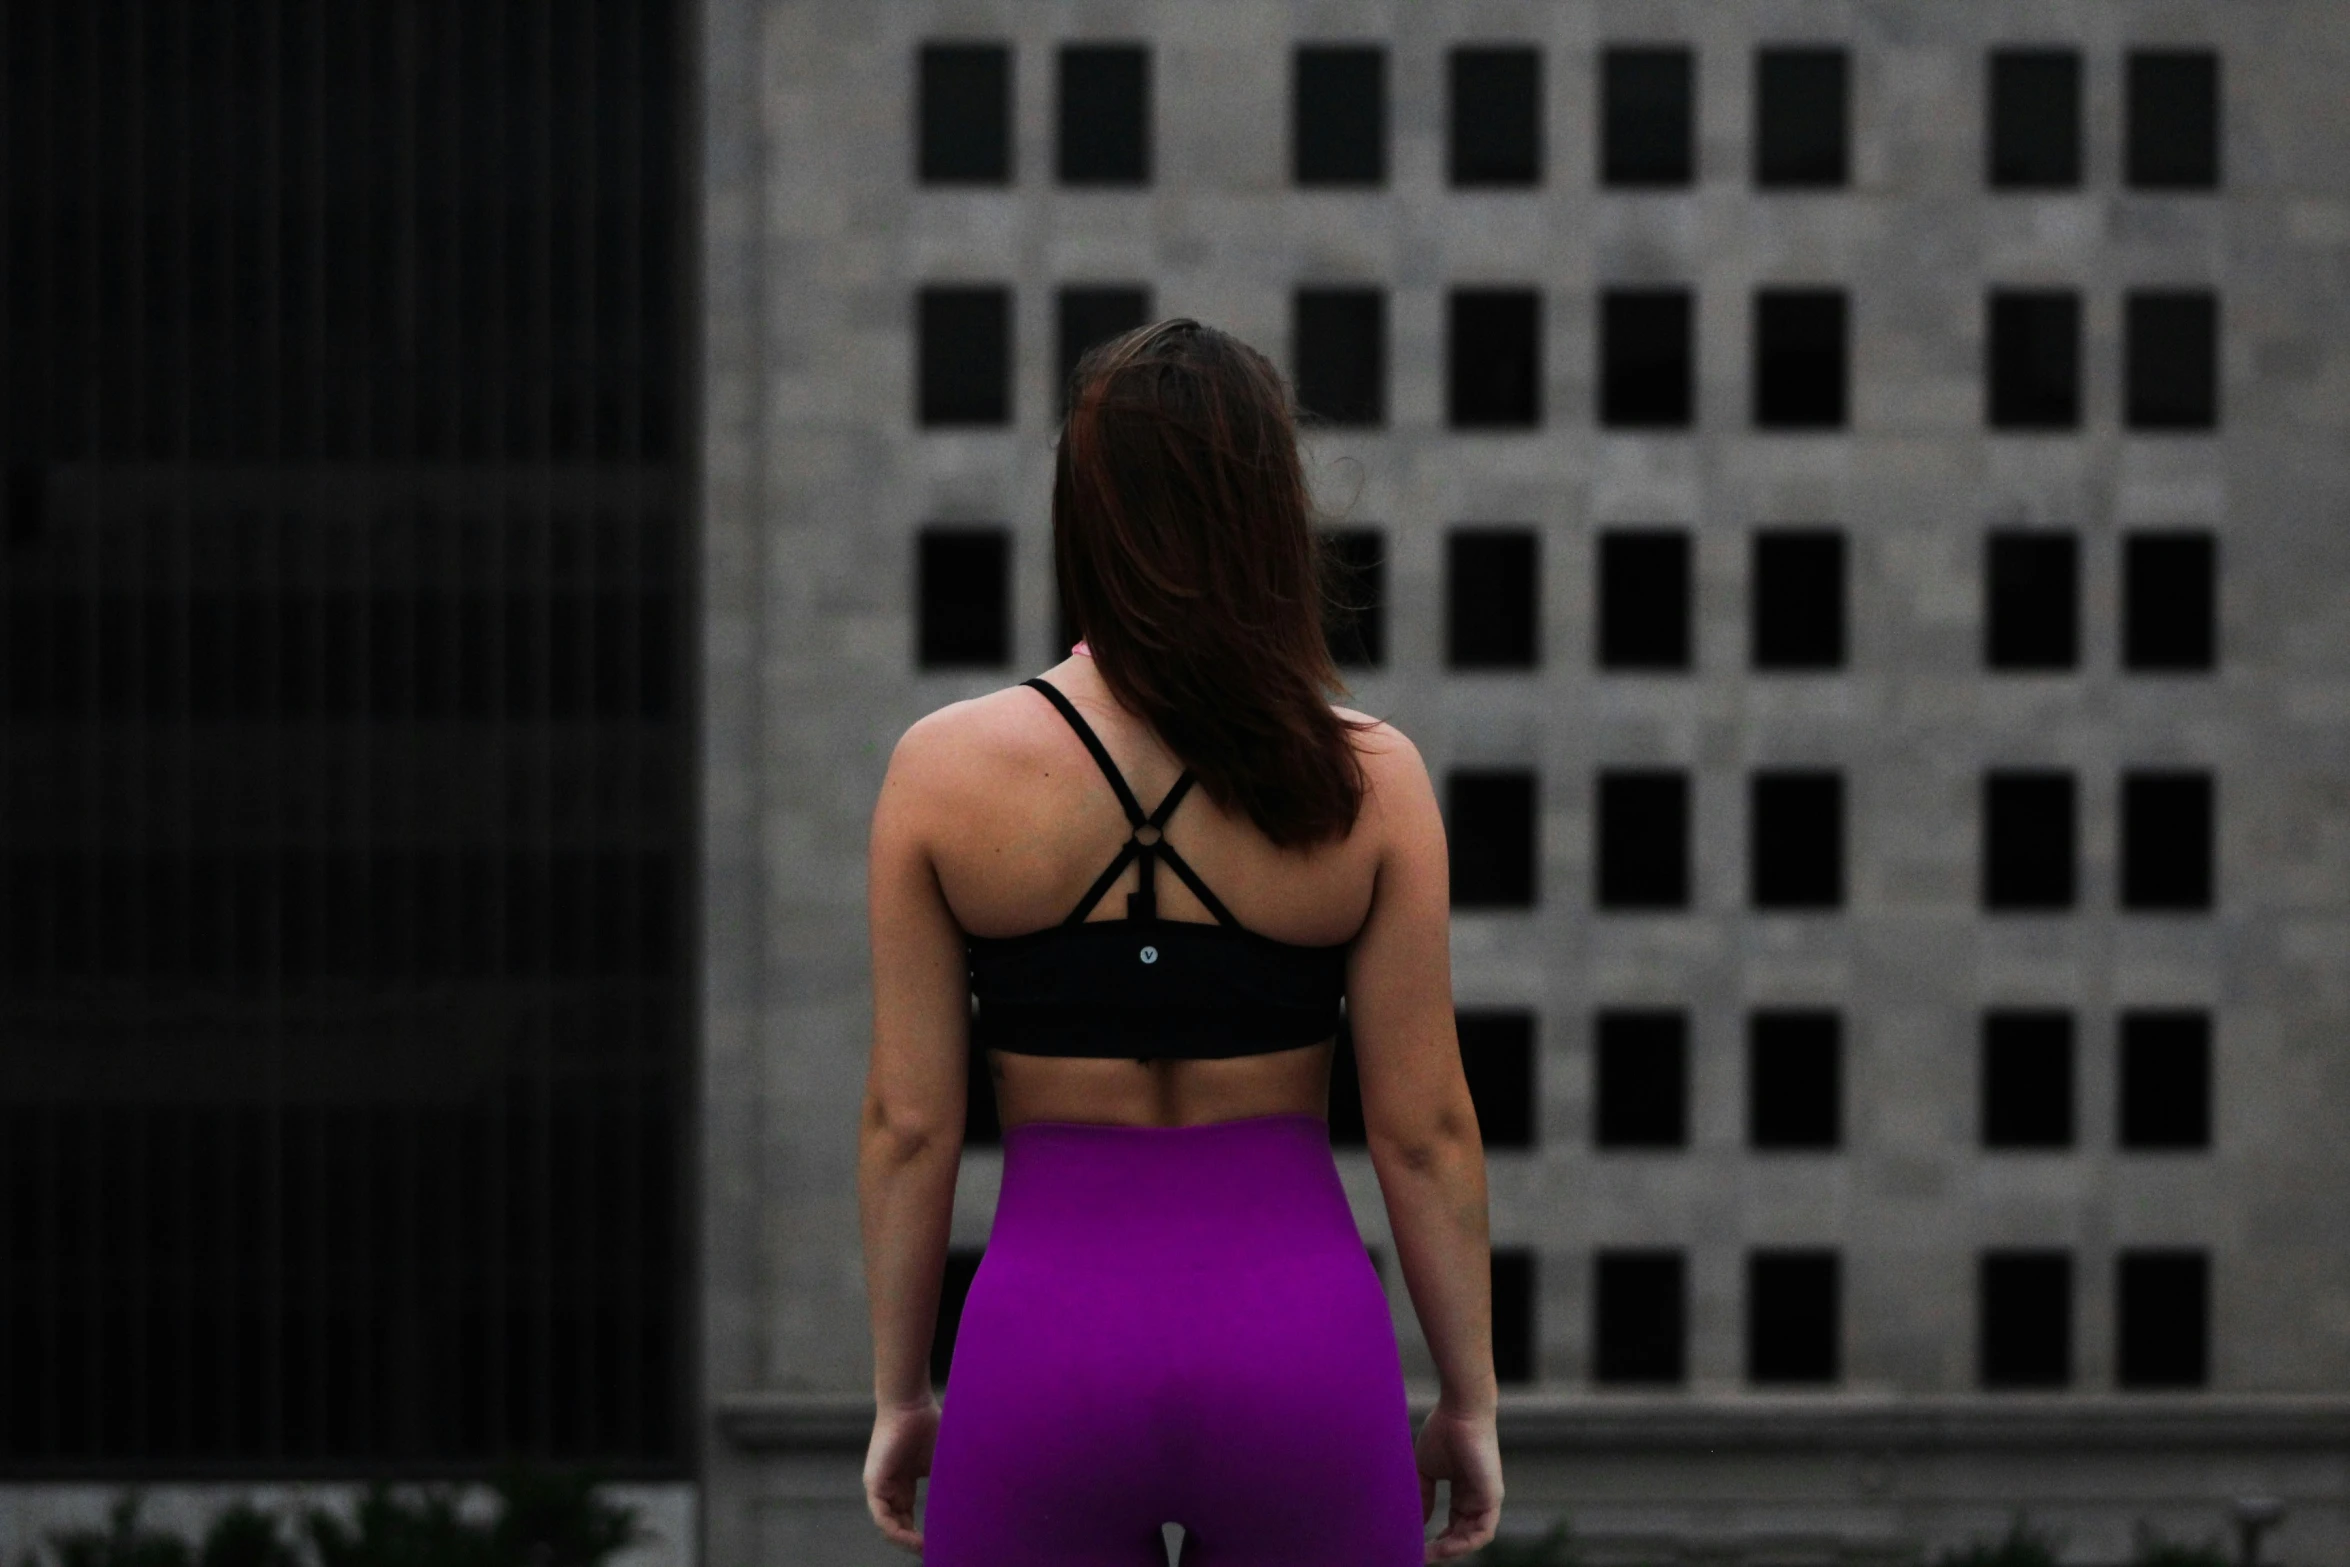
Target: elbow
{"x":900,"y":1134}
{"x":1431,"y":1140}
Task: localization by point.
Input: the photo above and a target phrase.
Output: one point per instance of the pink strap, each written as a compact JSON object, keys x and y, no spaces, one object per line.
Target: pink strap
{"x":1081,"y":650}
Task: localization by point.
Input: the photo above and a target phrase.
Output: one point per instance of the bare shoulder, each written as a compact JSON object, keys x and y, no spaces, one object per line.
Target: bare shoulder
{"x":1393,"y":771}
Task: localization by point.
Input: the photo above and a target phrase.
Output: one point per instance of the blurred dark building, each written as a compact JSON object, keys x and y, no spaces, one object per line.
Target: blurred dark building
{"x":344,"y":799}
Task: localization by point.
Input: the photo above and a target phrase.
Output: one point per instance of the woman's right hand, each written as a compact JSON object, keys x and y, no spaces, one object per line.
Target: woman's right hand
{"x":1464,"y":1449}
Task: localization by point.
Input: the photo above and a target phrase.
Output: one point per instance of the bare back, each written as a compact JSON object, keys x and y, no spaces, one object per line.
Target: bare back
{"x":1031,"y":822}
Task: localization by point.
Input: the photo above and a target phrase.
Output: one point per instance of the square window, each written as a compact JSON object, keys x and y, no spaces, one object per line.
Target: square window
{"x":1513,"y":1314}
{"x":2165,"y":1078}
{"x":1640,"y":1079}
{"x":1795,"y":839}
{"x":1338,"y":124}
{"x":2024,"y":1318}
{"x":964,"y":590}
{"x":2173,"y":107}
{"x":1799,"y":366}
{"x":1640,"y":1300}
{"x":1791,"y":1316}
{"x":2171,"y":340}
{"x":1646,"y":356}
{"x":1647,"y":116}
{"x":2166,"y":840}
{"x":1490,"y":829}
{"x":983,"y":1125}
{"x":1493,"y":598}
{"x":2035,"y":379}
{"x":965,"y":131}
{"x":965,"y":347}
{"x":2162,"y":1318}
{"x":1496,"y":95}
{"x":1801,"y":118}
{"x":2168,"y":611}
{"x":1644,"y":599}
{"x":2027,"y":840}
{"x":1346,"y":1094}
{"x":1105,"y":114}
{"x":1796,"y":605}
{"x":2031,"y":599}
{"x":1088,"y":316}
{"x":954,"y":1287}
{"x":1493,"y":358}
{"x":1643,"y":848}
{"x":2035,"y":137}
{"x":2027,"y":1078}
{"x":1355,"y":622}
{"x":1794,"y":1078}
{"x":1497,"y":1057}
{"x":1339,"y":344}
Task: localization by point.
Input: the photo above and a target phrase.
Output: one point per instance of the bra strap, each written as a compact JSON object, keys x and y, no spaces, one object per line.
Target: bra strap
{"x":1093,"y":742}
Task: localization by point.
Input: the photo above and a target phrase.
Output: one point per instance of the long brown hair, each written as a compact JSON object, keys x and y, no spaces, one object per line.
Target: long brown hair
{"x":1185,"y":546}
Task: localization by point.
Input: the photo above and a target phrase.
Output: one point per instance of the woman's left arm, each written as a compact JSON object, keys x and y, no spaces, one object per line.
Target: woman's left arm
{"x":910,"y":1139}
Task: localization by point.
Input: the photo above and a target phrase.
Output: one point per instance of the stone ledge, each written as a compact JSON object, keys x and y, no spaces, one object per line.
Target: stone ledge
{"x":1749,"y":1423}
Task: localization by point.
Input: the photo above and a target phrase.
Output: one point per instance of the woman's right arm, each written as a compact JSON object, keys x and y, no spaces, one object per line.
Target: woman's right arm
{"x":1423,"y":1134}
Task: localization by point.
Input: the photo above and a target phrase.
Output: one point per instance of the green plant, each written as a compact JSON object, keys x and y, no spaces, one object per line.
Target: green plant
{"x":554,"y":1518}
{"x":1554,"y":1547}
{"x":408,"y":1527}
{"x":2155,"y":1551}
{"x":242,"y":1535}
{"x":2021,"y":1546}
{"x":122,"y":1542}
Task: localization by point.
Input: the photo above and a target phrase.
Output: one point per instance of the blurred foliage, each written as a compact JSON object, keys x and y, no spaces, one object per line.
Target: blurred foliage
{"x":2021,"y":1546}
{"x":2155,"y":1551}
{"x":542,"y":1518}
{"x":1554,"y":1547}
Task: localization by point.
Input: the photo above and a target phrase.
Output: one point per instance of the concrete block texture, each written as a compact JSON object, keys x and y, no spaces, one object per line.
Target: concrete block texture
{"x":816,"y":478}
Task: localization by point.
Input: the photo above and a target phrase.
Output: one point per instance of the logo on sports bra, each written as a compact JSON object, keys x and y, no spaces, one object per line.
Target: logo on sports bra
{"x":1150,"y":954}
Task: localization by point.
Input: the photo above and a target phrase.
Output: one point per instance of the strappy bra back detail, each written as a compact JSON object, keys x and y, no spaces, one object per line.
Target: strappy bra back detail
{"x":1146,"y":987}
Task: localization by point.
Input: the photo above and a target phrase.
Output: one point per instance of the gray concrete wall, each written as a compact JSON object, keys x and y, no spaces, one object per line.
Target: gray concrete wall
{"x":816,"y":237}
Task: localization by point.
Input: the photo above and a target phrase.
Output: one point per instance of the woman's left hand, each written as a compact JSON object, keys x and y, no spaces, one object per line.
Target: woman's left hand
{"x":899,"y":1455}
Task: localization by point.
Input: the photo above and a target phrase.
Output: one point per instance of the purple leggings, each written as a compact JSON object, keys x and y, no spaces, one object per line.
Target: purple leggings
{"x":1174,"y":1325}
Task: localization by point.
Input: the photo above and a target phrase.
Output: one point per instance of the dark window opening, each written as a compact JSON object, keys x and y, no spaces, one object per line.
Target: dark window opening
{"x":1796,"y":599}
{"x":1490,"y":828}
{"x":1493,"y":358}
{"x":1646,"y":359}
{"x":2171,"y":348}
{"x":2027,"y":1078}
{"x":2165,"y":1073}
{"x":2173,"y":110}
{"x":1640,"y":1078}
{"x":1355,"y":617}
{"x":2166,"y":840}
{"x":2028,"y":840}
{"x":2024,"y":1319}
{"x":1794,"y":1078}
{"x":1643,"y":830}
{"x":1792,"y":1317}
{"x":1498,"y":1059}
{"x":964,"y":591}
{"x":1641,"y":1314}
{"x":1339,"y":349}
{"x":1795,"y":839}
{"x":965,"y":343}
{"x":965,"y":134}
{"x":2168,"y":600}
{"x":1086,"y":316}
{"x":1338,"y":109}
{"x":1496,"y":103}
{"x":1801,"y":119}
{"x":2031,"y":599}
{"x":1493,"y":598}
{"x":1647,"y":117}
{"x":2162,"y":1318}
{"x":1105,"y":114}
{"x":2035,"y":353}
{"x":1799,"y":359}
{"x":1512,"y":1281}
{"x":2035,"y":139}
{"x":1644,"y":583}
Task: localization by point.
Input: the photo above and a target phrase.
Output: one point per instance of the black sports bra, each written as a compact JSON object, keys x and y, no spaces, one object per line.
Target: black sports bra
{"x":1143,"y":986}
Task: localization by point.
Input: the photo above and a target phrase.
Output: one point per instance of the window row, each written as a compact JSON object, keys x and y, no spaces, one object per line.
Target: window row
{"x":1793,"y":1314}
{"x":1794,"y":1080}
{"x":1644,"y":590}
{"x":1795,"y":839}
{"x":1645,"y":375}
{"x":1646,"y":128}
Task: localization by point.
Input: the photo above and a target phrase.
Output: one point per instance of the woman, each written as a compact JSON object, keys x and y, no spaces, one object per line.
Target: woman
{"x":1175,"y":1320}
